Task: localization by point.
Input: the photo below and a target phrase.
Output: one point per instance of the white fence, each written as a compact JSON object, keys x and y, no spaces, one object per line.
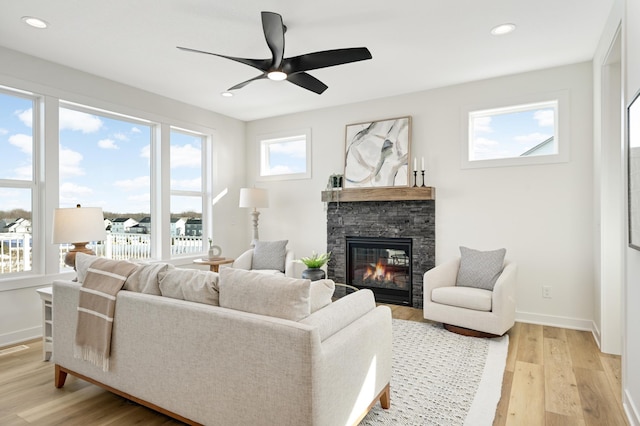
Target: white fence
{"x":15,"y":249}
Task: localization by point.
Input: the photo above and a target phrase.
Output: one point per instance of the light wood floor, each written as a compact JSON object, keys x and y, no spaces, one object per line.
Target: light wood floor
{"x":553,"y":376}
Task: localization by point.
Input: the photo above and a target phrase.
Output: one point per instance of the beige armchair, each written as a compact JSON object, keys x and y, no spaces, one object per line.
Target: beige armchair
{"x":491,"y":313}
{"x":245,"y":261}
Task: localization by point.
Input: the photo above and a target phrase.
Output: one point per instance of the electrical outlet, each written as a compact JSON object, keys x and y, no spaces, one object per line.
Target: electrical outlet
{"x":546,"y":291}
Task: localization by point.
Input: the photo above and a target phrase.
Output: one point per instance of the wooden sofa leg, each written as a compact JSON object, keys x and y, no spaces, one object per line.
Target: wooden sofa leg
{"x":60,"y":378}
{"x":385,"y":398}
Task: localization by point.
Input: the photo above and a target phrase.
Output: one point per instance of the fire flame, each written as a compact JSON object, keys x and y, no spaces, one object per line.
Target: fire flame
{"x":377,"y":274}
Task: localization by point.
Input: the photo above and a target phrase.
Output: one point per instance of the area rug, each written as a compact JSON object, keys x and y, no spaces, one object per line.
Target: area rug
{"x":441,"y":378}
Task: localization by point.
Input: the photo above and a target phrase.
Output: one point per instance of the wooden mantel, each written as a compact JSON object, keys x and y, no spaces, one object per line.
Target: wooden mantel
{"x":380,"y":194}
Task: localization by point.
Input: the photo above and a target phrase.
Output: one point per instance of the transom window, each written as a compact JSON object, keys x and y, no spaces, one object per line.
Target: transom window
{"x":285,"y":155}
{"x":527,"y":133}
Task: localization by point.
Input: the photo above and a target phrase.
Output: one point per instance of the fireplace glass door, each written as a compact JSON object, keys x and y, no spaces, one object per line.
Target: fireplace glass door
{"x":382,"y":265}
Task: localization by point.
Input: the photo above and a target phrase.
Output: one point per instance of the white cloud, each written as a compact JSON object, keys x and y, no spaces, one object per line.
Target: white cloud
{"x":3,"y":131}
{"x":24,"y":172}
{"x":482,"y":125}
{"x":134,"y":184}
{"x":297,"y":149}
{"x":185,"y":156}
{"x":544,"y":117}
{"x":187,"y":184}
{"x":70,"y":163}
{"x":135,"y":130}
{"x":532,"y":138}
{"x":121,"y":137}
{"x":22,"y":142}
{"x":145,"y":152}
{"x":280,"y":170}
{"x":483,"y":144}
{"x":107,"y":144}
{"x":26,"y":117}
{"x":79,"y":121}
{"x":71,"y":194}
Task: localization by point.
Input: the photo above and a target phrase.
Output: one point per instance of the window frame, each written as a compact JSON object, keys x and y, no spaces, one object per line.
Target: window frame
{"x":522,"y":103}
{"x":267,"y":139}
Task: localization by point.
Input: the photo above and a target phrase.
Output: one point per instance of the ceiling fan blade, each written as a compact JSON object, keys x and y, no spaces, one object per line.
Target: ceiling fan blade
{"x":307,"y":81}
{"x":261,"y":64}
{"x":244,"y":83}
{"x":274,"y":34}
{"x":327,"y":58}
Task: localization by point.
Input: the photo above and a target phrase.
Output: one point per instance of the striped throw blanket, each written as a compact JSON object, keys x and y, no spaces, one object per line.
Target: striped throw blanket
{"x":96,"y":307}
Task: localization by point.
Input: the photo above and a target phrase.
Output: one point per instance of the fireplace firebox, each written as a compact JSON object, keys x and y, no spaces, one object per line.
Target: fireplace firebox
{"x":382,"y":265}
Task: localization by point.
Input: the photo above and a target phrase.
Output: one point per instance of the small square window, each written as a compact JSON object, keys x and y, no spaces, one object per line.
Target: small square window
{"x":285,"y":155}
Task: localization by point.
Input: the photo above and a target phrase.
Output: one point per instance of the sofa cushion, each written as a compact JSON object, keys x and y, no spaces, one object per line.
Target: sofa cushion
{"x":477,"y":299}
{"x":320,"y":293}
{"x":480,"y":269}
{"x":269,"y":255}
{"x":190,"y":284}
{"x":264,"y":294}
{"x":83,"y":261}
{"x":145,"y":279}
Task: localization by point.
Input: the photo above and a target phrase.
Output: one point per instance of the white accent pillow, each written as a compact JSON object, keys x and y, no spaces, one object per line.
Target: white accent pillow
{"x":190,"y":284}
{"x":480,"y":269}
{"x":320,"y":293}
{"x":145,"y":279}
{"x":263,"y":294}
{"x":83,"y":261}
{"x":269,"y":254}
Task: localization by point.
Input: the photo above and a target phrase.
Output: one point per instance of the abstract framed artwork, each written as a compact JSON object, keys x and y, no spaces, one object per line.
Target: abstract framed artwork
{"x":377,"y":153}
{"x":633,"y":172}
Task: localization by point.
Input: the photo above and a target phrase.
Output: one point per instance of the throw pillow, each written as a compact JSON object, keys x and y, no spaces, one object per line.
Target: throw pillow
{"x":263,"y":294}
{"x":190,"y":284}
{"x":145,"y":279}
{"x":269,"y":255}
{"x":320,"y":293}
{"x":83,"y":261}
{"x":480,"y":269}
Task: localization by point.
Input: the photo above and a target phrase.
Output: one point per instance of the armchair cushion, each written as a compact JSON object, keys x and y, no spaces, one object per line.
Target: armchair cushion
{"x":269,"y":255}
{"x":463,"y":297}
{"x":480,"y":269}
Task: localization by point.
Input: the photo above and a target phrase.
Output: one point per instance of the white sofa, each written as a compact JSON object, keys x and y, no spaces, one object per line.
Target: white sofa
{"x":207,"y":364}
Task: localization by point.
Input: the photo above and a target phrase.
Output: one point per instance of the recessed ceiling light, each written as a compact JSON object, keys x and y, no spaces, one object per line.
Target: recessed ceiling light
{"x":503,"y":29}
{"x":35,"y":22}
{"x":226,"y":94}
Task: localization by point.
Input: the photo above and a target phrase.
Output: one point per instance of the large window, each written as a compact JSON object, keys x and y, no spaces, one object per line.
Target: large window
{"x":516,"y":134}
{"x":187,"y":194}
{"x":18,"y":189}
{"x":285,"y":155}
{"x":105,"y":161}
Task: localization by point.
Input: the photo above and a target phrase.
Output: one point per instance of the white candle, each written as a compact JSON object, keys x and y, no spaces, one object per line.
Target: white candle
{"x":423,"y":164}
{"x":415,"y":163}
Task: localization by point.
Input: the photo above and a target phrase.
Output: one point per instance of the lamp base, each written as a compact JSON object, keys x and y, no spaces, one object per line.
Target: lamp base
{"x":70,"y":257}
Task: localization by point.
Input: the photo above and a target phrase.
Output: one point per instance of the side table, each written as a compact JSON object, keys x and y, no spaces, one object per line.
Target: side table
{"x":46,"y":295}
{"x":214,"y":264}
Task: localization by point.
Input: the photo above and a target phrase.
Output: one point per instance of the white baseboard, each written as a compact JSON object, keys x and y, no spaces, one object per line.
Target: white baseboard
{"x":555,"y":321}
{"x":630,"y":409}
{"x":20,"y":336}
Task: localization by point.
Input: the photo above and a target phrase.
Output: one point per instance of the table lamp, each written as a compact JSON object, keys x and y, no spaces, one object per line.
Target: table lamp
{"x":78,"y":226}
{"x":254,"y":198}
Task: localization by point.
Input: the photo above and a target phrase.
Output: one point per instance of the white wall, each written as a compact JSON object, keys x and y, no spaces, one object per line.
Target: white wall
{"x":19,"y":302}
{"x":542,"y":214}
{"x":631,"y":347}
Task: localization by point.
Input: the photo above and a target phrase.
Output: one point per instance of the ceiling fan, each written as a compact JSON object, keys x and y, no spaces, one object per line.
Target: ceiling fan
{"x":292,"y":69}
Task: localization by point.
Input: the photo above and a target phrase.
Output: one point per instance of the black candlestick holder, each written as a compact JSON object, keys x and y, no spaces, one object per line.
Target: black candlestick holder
{"x":415,"y":178}
{"x":423,"y":179}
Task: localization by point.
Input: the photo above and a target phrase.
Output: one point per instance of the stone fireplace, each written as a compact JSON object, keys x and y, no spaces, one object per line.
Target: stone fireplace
{"x":390,"y":215}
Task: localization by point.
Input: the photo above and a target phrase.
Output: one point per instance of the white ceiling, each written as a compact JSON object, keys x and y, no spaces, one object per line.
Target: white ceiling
{"x":416,"y":44}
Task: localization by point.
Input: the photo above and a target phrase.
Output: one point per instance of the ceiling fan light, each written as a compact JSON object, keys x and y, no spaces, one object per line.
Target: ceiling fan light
{"x":276,"y":76}
{"x":226,"y":94}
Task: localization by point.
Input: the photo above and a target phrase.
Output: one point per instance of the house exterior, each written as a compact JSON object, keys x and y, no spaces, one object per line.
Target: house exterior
{"x":122,"y":224}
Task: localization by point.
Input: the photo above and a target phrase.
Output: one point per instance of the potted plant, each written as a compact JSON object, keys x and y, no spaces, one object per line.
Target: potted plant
{"x":313,"y":264}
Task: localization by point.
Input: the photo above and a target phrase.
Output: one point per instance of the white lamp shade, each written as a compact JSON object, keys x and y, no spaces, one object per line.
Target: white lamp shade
{"x":78,"y":224}
{"x":254,"y":197}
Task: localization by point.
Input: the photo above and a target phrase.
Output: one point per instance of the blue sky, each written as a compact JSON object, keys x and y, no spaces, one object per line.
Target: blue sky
{"x":287,"y":157}
{"x":503,"y":135}
{"x":104,"y":162}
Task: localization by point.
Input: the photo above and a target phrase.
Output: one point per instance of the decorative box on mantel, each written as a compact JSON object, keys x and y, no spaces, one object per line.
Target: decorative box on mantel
{"x":380,"y":194}
{"x":406,"y":213}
